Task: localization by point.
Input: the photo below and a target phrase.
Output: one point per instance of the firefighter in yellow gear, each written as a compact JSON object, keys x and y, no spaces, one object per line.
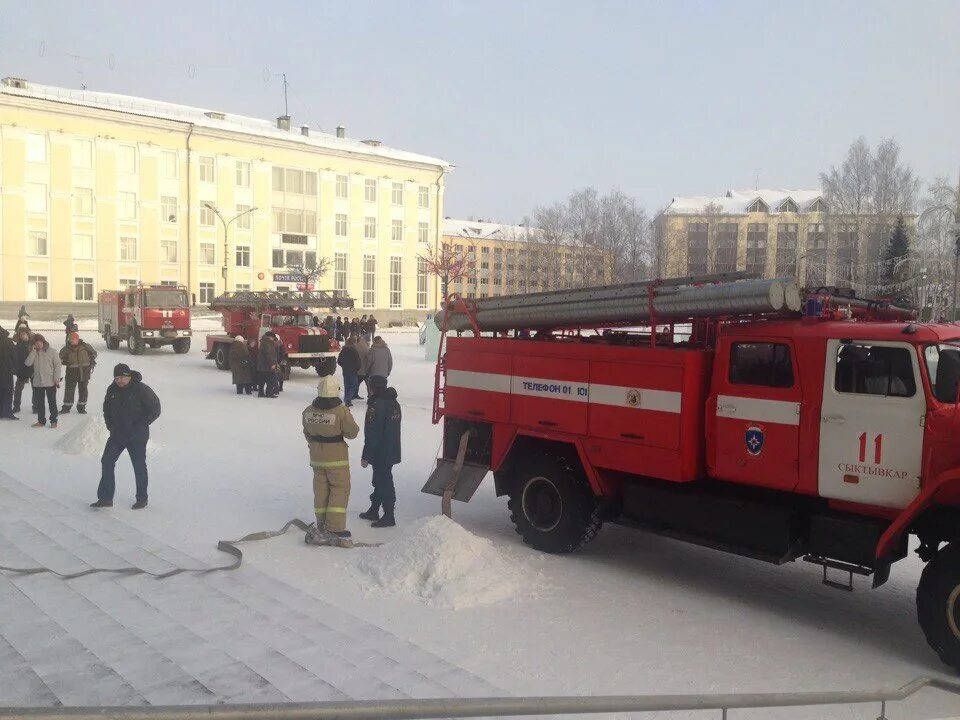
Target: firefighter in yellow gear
{"x":327,"y":425}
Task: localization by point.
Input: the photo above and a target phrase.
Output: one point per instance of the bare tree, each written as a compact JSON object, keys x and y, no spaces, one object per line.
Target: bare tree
{"x":449,"y":265}
{"x":312,"y":274}
{"x":936,"y":248}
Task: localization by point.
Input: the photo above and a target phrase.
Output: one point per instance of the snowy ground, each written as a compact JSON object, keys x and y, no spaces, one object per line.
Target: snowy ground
{"x":632,"y":613}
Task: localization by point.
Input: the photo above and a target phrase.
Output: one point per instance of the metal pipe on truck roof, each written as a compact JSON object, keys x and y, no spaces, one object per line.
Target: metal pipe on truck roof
{"x":627,"y":304}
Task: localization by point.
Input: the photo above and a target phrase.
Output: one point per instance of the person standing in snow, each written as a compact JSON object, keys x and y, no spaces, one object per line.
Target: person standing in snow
{"x":379,"y":359}
{"x":349,"y":362}
{"x":23,"y":371}
{"x":241,"y":367}
{"x":129,"y":408}
{"x":381,"y":449}
{"x":69,"y":326}
{"x":8,"y":366}
{"x":79,"y":360}
{"x":327,"y":425}
{"x":363,"y":350}
{"x":267,"y":366}
{"x":47,"y":374}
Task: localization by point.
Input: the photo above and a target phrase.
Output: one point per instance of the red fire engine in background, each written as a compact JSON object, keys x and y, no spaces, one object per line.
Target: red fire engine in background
{"x":145,"y":315}
{"x":251,"y":314}
{"x":742,"y":416}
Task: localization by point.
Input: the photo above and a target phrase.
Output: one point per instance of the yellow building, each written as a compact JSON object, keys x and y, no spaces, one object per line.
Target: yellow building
{"x":509,"y":259}
{"x":773,"y":233}
{"x":100,"y":189}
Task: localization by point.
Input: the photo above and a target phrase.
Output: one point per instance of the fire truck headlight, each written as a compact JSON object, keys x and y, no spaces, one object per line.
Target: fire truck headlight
{"x":289,"y":346}
{"x":147,"y":333}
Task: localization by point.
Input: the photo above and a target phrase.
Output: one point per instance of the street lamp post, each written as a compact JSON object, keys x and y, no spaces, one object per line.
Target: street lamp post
{"x":226,"y":243}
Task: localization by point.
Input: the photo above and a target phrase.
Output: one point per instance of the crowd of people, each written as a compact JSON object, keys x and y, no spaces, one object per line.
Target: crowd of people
{"x":130,"y":407}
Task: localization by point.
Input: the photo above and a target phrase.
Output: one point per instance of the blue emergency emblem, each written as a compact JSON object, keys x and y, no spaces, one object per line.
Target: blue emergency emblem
{"x":753,"y":439}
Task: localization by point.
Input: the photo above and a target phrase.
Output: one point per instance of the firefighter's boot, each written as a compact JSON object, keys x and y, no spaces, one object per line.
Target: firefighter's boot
{"x":387,"y":520}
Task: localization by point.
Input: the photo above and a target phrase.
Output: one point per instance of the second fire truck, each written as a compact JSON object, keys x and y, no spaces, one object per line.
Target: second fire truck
{"x":145,"y":316}
{"x":742,"y":415}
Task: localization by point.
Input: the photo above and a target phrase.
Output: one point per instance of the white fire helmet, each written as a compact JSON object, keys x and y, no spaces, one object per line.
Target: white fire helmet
{"x":328,"y":386}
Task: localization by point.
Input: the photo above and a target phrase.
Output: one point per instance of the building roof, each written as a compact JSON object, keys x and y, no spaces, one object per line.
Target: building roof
{"x":479,"y":230}
{"x":210,"y":118}
{"x":736,"y":202}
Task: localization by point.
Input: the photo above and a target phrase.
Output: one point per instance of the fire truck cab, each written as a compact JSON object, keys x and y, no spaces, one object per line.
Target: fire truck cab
{"x":829,"y":436}
{"x":145,"y":316}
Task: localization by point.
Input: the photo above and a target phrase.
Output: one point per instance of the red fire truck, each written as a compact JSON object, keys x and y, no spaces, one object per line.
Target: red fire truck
{"x":145,"y":315}
{"x":251,"y":314}
{"x":742,"y":415}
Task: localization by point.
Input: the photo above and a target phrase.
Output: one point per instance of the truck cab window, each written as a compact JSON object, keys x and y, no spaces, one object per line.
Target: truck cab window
{"x":943,"y":368}
{"x":766,"y":364}
{"x":874,"y":370}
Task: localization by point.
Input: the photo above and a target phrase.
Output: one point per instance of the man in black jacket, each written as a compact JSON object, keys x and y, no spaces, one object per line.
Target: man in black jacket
{"x":381,"y":449}
{"x":8,"y":366}
{"x":349,"y":362}
{"x":23,"y":372}
{"x":128,"y":410}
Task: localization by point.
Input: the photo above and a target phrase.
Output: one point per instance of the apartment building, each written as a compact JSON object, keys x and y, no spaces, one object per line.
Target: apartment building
{"x":98,"y":190}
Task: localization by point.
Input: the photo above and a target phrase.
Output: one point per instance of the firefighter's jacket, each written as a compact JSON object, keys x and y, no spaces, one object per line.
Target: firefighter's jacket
{"x":327,"y":424}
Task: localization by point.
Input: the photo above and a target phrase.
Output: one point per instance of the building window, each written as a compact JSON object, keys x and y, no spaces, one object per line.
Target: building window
{"x":276,"y":258}
{"x":37,"y":287}
{"x":786,"y":250}
{"x":423,"y":233}
{"x":696,"y":249}
{"x":83,"y":201}
{"x":816,"y":260}
{"x":207,"y":290}
{"x":82,"y":153}
{"x":310,"y":260}
{"x":243,"y":256}
{"x":343,"y":187}
{"x":396,"y":193}
{"x":340,"y":272}
{"x":83,"y":289}
{"x":208,"y":170}
{"x":422,"y":284}
{"x":243,"y":174}
{"x":168,"y":251}
{"x":128,"y":248}
{"x":819,"y":206}
{"x":341,"y":225}
{"x":38,"y":243}
{"x":36,"y":148}
{"x":423,"y":197}
{"x":244,"y":221}
{"x":757,"y":248}
{"x":207,"y":216}
{"x":169,"y":283}
{"x":369,"y":280}
{"x":243,"y":287}
{"x":127,"y":206}
{"x":294,"y":258}
{"x":208,"y":253}
{"x":789,"y":206}
{"x":127,"y":159}
{"x":396,"y":282}
{"x":758,"y":206}
{"x":127,"y":282}
{"x":370,"y":190}
{"x":168,"y":160}
{"x":36,"y":198}
{"x":396,"y":231}
{"x":726,"y":257}
{"x":83,"y":247}
{"x":289,"y":214}
{"x":168,"y":209}
{"x":370,"y":228}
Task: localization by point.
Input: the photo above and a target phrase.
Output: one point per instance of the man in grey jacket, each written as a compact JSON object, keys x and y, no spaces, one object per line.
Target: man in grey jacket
{"x":379,"y":359}
{"x":47,"y":375}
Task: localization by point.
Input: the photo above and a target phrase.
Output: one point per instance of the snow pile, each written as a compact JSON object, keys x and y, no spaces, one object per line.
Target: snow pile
{"x":442,"y":564}
{"x":88,"y":438}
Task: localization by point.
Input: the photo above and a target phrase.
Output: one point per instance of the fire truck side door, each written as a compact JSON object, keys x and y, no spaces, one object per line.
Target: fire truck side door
{"x":265,"y":322}
{"x":871,"y":423}
{"x":755,"y":414}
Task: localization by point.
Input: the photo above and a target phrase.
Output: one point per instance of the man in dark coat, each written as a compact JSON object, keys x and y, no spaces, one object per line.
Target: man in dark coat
{"x":241,"y":366}
{"x":23,"y":372}
{"x":349,"y":362}
{"x":129,"y":408}
{"x":69,"y":326}
{"x":381,"y":449}
{"x":267,"y":366}
{"x":8,"y":366}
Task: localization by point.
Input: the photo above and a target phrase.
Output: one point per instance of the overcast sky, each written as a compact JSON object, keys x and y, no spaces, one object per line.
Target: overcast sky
{"x":531,"y":100}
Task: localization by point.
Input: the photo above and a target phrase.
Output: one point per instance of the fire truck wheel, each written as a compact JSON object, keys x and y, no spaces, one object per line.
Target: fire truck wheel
{"x":135,"y":345}
{"x":113,"y":342}
{"x":553,"y":507}
{"x":181,"y":346}
{"x":938,"y":604}
{"x":220,"y":357}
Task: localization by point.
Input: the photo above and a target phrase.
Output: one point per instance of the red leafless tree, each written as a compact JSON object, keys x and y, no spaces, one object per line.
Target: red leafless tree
{"x":448,"y":264}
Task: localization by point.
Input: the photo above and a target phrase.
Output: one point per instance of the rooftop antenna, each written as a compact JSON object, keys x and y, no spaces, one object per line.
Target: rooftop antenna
{"x":286,"y":108}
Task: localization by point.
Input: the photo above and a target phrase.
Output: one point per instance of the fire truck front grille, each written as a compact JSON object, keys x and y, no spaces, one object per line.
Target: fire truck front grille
{"x":314,"y":343}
